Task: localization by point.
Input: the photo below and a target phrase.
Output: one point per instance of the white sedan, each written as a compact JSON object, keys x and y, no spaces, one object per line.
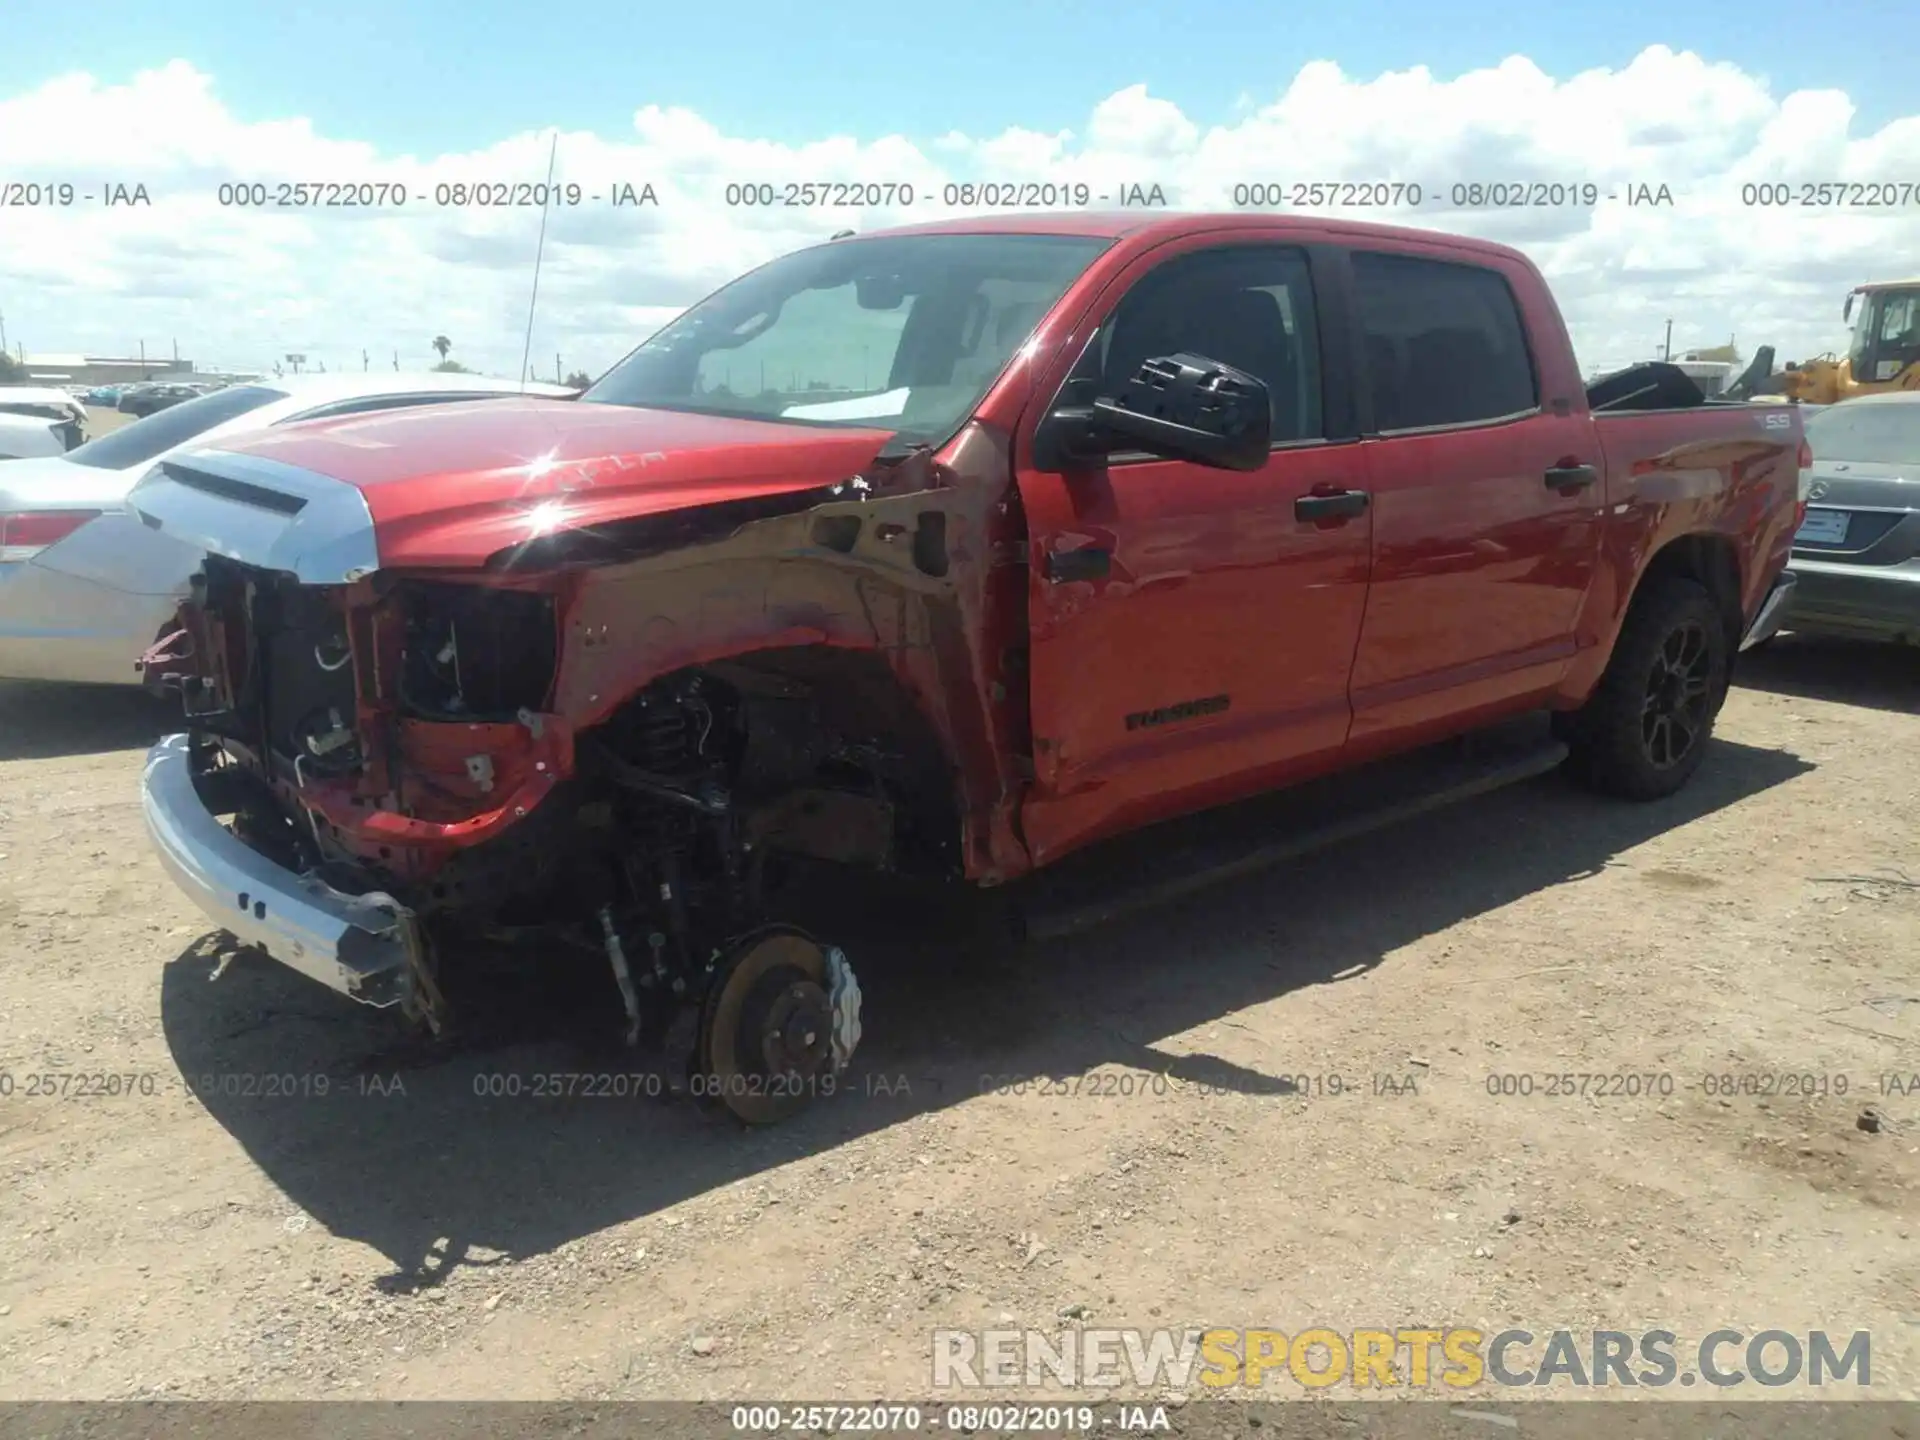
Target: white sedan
{"x":85,"y":588}
{"x":36,"y":421}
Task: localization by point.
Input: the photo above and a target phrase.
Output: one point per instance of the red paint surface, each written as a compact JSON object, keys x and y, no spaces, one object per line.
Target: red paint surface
{"x":449,"y":485}
{"x":1471,"y":589}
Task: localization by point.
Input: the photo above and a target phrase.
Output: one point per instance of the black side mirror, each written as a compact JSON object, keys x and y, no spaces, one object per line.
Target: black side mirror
{"x":1180,"y":407}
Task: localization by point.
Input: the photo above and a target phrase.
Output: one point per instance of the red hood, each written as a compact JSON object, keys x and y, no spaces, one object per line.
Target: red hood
{"x":451,"y":484}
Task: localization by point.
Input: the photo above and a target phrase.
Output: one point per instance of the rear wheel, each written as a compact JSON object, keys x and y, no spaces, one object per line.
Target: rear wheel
{"x":1644,"y":731}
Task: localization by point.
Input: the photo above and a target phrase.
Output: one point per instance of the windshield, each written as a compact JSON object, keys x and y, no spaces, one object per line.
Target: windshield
{"x":141,"y":441}
{"x":1867,"y":434}
{"x":1886,"y":334}
{"x":905,"y":332}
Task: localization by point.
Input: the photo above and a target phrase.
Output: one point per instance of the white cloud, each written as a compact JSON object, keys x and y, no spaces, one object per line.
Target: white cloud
{"x":238,"y":286}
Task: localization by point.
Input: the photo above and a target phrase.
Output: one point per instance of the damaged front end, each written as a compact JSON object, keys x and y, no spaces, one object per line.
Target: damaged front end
{"x":358,"y":736}
{"x":618,"y":747}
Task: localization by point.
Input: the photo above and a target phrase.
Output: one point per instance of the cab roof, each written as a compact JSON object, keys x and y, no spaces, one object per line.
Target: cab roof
{"x":1158,"y":225}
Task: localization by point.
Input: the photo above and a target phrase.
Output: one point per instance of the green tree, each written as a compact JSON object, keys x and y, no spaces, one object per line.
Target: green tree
{"x":12,"y":372}
{"x":442,"y":345}
{"x":579,"y":380}
{"x":452,"y":367}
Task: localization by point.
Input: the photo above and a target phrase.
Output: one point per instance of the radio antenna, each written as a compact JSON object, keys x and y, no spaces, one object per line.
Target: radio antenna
{"x":546,"y":201}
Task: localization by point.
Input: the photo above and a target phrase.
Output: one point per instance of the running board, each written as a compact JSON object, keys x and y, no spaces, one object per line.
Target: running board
{"x":1169,"y":861}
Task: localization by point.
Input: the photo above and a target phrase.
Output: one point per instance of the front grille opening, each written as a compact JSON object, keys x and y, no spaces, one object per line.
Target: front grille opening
{"x":474,"y":653}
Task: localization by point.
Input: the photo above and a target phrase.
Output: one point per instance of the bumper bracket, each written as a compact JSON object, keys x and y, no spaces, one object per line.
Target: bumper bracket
{"x":1772,"y":611}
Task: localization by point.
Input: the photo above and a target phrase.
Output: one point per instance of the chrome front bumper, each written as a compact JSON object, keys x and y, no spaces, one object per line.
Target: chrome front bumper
{"x":1772,"y":611}
{"x":357,"y":945}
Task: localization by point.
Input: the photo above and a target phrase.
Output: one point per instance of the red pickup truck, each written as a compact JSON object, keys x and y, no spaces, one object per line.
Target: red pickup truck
{"x":948,"y":549}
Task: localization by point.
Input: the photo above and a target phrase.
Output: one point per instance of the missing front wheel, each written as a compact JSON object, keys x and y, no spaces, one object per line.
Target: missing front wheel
{"x":778,"y":1027}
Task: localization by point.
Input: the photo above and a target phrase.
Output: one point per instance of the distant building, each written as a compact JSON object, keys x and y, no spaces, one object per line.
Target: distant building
{"x":100,"y":369}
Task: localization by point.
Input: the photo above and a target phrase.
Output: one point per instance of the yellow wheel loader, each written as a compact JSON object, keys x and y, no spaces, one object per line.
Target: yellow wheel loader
{"x":1884,"y":353}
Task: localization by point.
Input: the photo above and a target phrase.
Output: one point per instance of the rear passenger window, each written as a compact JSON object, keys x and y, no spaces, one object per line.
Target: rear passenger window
{"x":1444,"y":343}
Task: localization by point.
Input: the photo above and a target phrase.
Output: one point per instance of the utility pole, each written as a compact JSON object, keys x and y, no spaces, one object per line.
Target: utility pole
{"x":143,"y":361}
{"x":556,"y":368}
{"x":3,"y":333}
{"x":363,"y":360}
{"x":396,"y":360}
{"x":1668,"y":355}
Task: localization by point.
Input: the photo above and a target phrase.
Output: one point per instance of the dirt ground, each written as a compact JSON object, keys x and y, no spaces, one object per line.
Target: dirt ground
{"x":102,"y":421}
{"x":400,"y":1236}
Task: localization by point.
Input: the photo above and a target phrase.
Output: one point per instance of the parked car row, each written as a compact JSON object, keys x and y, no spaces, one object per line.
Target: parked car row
{"x":84,"y":587}
{"x":151,"y":397}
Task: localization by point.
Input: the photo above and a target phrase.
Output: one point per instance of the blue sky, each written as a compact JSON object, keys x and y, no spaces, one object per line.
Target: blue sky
{"x":192,"y":96}
{"x":431,"y":75}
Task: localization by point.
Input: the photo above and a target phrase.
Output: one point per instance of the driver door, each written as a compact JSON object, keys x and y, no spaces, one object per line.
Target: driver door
{"x":1193,"y":629}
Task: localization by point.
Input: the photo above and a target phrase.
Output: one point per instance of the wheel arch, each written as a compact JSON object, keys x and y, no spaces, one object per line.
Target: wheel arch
{"x":921,"y":572}
{"x":1707,"y":558}
{"x":1710,"y":560}
{"x":857,"y":693}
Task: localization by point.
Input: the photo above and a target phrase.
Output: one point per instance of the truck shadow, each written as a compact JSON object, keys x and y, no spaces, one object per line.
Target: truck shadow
{"x":422,"y":1162}
{"x":1848,"y":672}
{"x":47,"y":722}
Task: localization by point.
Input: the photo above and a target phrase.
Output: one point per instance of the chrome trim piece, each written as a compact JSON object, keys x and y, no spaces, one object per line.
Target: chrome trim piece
{"x":1772,"y":610}
{"x":328,"y":541}
{"x":353,"y":944}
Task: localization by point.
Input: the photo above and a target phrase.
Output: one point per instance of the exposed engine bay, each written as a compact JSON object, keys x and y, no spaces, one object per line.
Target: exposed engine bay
{"x":363,"y":733}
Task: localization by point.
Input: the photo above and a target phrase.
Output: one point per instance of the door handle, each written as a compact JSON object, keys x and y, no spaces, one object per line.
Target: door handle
{"x":1090,"y":563}
{"x":1571,"y":477}
{"x":1341,"y":505}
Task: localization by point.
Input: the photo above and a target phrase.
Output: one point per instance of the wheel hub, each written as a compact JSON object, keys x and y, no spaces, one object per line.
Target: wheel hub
{"x":796,"y":1030}
{"x":1677,"y":696}
{"x":778,"y":1026}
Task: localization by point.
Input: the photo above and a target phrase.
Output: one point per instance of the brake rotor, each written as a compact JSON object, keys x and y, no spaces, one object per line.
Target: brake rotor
{"x":766,"y":1031}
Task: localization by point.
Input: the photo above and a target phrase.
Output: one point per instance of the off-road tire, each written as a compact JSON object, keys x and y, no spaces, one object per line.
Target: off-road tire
{"x":1618,"y":741}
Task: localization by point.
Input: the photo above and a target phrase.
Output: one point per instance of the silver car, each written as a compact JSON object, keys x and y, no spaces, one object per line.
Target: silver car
{"x":37,"y":421}
{"x":85,"y":588}
{"x":1857,"y":555}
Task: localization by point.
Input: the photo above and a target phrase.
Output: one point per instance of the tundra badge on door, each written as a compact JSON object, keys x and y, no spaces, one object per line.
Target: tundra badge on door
{"x":1185,"y":710}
